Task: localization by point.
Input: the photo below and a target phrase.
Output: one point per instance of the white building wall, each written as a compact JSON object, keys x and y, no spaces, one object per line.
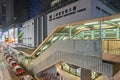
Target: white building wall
{"x":6,"y":34}
{"x":26,"y":36}
{"x":81,"y":14}
{"x":13,"y":34}
{"x":31,"y":34}
{"x":23,"y":35}
{"x":16,"y":35}
{"x":28,"y":33}
{"x":103,"y":9}
{"x":83,"y":11}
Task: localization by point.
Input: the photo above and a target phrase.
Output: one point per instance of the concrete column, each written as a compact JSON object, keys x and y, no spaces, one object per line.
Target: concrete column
{"x":85,"y":74}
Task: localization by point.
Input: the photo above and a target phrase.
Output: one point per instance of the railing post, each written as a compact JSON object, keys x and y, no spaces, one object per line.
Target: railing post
{"x":117,"y":34}
{"x":100,"y":30}
{"x":100,"y":36}
{"x":92,"y":35}
{"x":70,"y":32}
{"x":103,"y":33}
{"x":108,"y":46}
{"x":83,"y":35}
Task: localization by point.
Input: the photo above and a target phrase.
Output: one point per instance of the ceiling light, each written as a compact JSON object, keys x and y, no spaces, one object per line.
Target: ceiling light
{"x":92,"y":23}
{"x":99,"y":25}
{"x":115,"y":19}
{"x":65,"y":38}
{"x":45,"y":47}
{"x":67,"y":26}
{"x":54,"y":39}
{"x":81,"y":27}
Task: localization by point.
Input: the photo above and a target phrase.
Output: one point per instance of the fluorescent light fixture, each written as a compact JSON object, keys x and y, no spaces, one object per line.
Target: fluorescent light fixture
{"x":115,"y":19}
{"x":106,"y":21}
{"x":65,"y":38}
{"x":54,"y":38}
{"x":99,"y":25}
{"x":61,"y":37}
{"x":67,"y":26}
{"x":80,"y":27}
{"x":45,"y":47}
{"x":38,"y":53}
{"x":114,"y":29}
{"x":92,"y":23}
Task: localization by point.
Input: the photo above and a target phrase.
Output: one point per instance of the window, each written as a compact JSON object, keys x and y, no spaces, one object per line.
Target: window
{"x":74,"y":8}
{"x":59,"y":13}
{"x":104,"y":11}
{"x":62,"y":12}
{"x":66,"y":10}
{"x":56,"y":14}
{"x":70,"y":10}
{"x":50,"y":16}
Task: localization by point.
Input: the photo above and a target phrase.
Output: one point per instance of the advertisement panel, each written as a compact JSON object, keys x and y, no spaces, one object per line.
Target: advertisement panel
{"x":20,"y":34}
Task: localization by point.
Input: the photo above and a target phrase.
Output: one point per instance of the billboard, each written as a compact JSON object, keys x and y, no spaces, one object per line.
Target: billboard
{"x":20,"y":34}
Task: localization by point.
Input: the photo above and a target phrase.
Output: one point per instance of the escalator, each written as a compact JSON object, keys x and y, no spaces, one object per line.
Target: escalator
{"x":85,"y":47}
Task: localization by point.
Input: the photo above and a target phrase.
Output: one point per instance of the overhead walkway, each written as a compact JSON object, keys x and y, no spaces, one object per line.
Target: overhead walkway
{"x":81,"y":44}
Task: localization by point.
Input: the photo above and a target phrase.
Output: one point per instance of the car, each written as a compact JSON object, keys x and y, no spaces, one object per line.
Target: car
{"x":7,"y":55}
{"x":18,"y":70}
{"x":9,"y":59}
{"x":13,"y":64}
{"x":26,"y":77}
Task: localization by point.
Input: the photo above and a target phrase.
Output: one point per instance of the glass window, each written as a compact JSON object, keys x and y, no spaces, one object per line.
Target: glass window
{"x":66,"y":10}
{"x":62,"y":12}
{"x":70,"y":10}
{"x":50,"y":16}
{"x":74,"y":8}
{"x":59,"y":13}
{"x":56,"y":14}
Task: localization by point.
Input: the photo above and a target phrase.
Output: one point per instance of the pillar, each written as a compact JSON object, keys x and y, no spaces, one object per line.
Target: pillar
{"x":85,"y":74}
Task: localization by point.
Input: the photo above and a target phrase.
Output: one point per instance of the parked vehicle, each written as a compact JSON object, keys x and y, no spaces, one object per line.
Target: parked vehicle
{"x":18,"y":70}
{"x":26,"y":77}
{"x":7,"y":56}
{"x":13,"y":64}
{"x":9,"y":59}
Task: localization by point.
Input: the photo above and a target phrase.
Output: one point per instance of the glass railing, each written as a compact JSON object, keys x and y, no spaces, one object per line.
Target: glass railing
{"x":108,"y":29}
